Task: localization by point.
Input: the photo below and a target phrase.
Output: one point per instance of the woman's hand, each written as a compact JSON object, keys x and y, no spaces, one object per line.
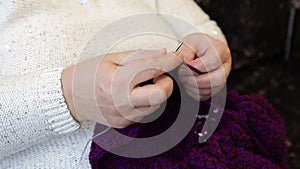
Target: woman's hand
{"x":107,"y":89}
{"x":208,"y":55}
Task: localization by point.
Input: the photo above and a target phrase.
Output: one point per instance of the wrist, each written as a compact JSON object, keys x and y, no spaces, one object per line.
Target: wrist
{"x":67,"y":81}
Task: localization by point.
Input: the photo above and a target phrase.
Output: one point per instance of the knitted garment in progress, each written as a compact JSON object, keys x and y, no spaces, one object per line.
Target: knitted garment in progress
{"x":251,"y":134}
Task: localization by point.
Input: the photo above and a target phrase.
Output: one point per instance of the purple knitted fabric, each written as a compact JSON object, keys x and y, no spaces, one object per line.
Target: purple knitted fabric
{"x":250,"y":135}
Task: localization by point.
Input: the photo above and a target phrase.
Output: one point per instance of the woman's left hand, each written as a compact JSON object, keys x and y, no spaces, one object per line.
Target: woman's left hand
{"x":211,"y":57}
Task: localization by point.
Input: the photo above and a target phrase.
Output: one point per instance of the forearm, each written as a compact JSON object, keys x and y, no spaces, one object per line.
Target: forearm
{"x":32,"y":109}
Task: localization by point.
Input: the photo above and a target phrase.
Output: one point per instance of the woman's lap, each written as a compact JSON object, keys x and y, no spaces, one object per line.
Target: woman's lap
{"x":251,"y":134}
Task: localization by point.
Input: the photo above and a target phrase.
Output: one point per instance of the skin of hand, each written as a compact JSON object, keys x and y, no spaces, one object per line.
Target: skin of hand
{"x":106,"y":89}
{"x":211,"y":57}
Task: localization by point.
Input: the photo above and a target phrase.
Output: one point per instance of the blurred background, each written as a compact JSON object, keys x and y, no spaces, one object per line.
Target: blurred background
{"x":264,"y":37}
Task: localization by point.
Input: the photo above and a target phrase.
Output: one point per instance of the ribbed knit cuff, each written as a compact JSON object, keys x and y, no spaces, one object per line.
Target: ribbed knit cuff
{"x":54,"y":105}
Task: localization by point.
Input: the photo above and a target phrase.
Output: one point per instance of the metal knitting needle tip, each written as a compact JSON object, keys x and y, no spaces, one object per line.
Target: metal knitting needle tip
{"x":184,"y":63}
{"x":178,"y":46}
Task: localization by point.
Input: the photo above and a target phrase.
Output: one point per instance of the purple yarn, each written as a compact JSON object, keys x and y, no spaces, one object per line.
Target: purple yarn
{"x":251,"y":134}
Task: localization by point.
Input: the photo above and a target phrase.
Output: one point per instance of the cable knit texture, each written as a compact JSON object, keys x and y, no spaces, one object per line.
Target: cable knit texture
{"x":41,"y":38}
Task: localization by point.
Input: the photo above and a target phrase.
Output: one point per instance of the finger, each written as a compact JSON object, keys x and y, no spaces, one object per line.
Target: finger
{"x":201,"y":92}
{"x":129,"y":76}
{"x":203,"y":44}
{"x":152,"y":94}
{"x":211,"y":52}
{"x":139,"y":113}
{"x":194,"y":93}
{"x":196,"y":96}
{"x":149,"y":68}
{"x":142,"y":54}
{"x":116,"y":118}
{"x":118,"y":122}
{"x":127,"y":57}
{"x":135,"y":116}
{"x":208,"y":80}
{"x":184,"y":70}
{"x":206,"y":63}
{"x":119,"y":56}
{"x":186,"y":52}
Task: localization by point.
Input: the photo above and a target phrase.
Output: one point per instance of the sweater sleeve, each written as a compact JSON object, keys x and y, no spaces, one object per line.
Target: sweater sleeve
{"x":188,"y":12}
{"x":32,"y":109}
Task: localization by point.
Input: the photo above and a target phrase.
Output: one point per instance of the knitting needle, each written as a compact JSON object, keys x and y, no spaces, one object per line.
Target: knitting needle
{"x":183,"y":62}
{"x":178,"y":46}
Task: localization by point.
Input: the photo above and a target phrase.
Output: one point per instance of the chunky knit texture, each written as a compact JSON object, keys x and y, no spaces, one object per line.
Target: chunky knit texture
{"x":41,"y":38}
{"x":250,"y":135}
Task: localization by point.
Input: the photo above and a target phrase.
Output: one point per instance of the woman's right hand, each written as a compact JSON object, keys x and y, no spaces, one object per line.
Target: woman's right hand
{"x":106,"y":89}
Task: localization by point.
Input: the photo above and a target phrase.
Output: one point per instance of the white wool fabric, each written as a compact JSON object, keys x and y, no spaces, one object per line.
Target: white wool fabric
{"x":38,"y":39}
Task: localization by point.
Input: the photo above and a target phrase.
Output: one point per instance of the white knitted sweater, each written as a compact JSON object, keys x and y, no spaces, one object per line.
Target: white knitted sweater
{"x":38,"y":39}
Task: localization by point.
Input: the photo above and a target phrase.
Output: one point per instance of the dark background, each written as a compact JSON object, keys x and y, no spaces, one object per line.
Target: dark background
{"x":256,"y":32}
